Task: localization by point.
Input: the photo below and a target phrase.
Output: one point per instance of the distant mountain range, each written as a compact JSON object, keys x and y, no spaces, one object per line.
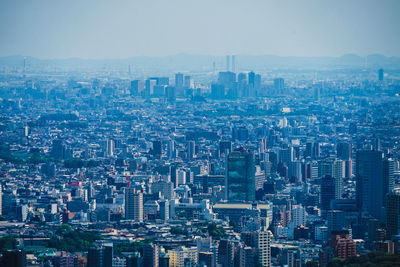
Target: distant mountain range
{"x":186,"y":62}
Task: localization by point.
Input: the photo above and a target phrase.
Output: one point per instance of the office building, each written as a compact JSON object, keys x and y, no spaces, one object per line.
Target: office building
{"x":369,"y":191}
{"x":327,"y":192}
{"x":133,"y":205}
{"x":240,"y":176}
{"x":179,"y":81}
{"x":393,"y":213}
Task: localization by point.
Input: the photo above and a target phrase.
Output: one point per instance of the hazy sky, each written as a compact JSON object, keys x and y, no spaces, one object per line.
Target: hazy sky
{"x":123,"y":28}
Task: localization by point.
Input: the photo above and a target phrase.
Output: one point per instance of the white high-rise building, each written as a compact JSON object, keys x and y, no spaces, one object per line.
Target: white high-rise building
{"x":264,"y":247}
{"x":133,"y":205}
{"x":298,"y":215}
{"x":181,"y":176}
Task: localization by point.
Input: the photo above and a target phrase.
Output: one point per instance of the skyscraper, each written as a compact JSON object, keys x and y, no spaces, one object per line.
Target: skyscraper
{"x":233,"y":63}
{"x":393,"y":213}
{"x":343,"y":151}
{"x":240,"y":176}
{"x":251,"y":78}
{"x":369,"y":191}
{"x":388,"y":166}
{"x":279,"y":84}
{"x":136,"y":87}
{"x":327,"y":191}
{"x":133,"y":205}
{"x":191,"y":149}
{"x":380,"y":74}
{"x":178,"y":81}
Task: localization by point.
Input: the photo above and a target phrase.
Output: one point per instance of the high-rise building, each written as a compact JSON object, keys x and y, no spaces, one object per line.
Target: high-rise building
{"x":108,"y":147}
{"x":15,"y":258}
{"x":299,"y":215}
{"x":58,"y":149}
{"x":166,"y":188}
{"x":178,"y":81}
{"x":133,"y":205}
{"x":251,"y":79}
{"x":1,"y":200}
{"x":181,"y":177}
{"x":100,"y":255}
{"x":227,"y":252}
{"x":247,"y":255}
{"x":327,"y":191}
{"x":388,"y":166}
{"x":380,"y":74}
{"x":217,"y":91}
{"x":164,"y":209}
{"x":264,"y":247}
{"x":336,"y":169}
{"x":188,"y":82}
{"x":151,"y":255}
{"x":136,"y":87}
{"x":240,"y":176}
{"x":233,"y":63}
{"x":344,"y":247}
{"x":279,"y":84}
{"x":393,"y":213}
{"x":261,"y":241}
{"x":149,"y":87}
{"x":286,"y":155}
{"x":206,"y":259}
{"x":369,"y":187}
{"x":336,"y":220}
{"x":157,"y":148}
{"x":183,"y":256}
{"x":171,"y":149}
{"x":170,"y":93}
{"x":343,"y":151}
{"x":191,"y":149}
{"x":225,"y":147}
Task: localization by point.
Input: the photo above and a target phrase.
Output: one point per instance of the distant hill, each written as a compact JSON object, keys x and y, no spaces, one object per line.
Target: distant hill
{"x":185,"y":62}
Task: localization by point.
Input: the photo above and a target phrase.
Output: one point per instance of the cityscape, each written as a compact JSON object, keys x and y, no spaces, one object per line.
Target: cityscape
{"x":199,"y":160}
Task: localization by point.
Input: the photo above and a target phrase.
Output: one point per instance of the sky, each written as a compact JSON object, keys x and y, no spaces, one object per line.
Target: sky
{"x":125,"y":28}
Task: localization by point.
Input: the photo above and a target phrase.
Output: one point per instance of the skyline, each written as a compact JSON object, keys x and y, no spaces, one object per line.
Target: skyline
{"x":69,"y":29}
